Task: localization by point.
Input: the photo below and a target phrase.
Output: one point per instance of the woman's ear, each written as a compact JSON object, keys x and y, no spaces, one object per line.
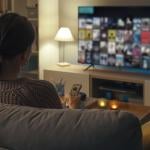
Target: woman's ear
{"x":24,"y":57}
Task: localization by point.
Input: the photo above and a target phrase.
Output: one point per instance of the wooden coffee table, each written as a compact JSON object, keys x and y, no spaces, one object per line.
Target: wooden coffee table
{"x":142,"y":112}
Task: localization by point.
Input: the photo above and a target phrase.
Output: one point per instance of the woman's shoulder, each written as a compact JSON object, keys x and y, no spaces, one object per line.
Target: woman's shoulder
{"x":35,"y":83}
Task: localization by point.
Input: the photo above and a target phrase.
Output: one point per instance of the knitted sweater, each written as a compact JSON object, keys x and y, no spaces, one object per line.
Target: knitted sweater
{"x":27,"y":92}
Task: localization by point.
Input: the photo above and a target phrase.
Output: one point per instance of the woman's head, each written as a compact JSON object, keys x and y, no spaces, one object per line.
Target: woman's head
{"x":16,"y":38}
{"x":16,"y":34}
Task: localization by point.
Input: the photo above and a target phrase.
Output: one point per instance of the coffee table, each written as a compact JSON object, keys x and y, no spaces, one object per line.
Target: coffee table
{"x":142,"y":112}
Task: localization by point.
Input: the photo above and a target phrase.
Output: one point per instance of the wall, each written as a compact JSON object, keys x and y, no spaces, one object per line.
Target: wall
{"x":68,"y":14}
{"x":48,"y":25}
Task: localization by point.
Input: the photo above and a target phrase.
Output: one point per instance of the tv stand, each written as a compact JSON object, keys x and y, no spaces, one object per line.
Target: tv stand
{"x":98,"y":82}
{"x":91,"y":65}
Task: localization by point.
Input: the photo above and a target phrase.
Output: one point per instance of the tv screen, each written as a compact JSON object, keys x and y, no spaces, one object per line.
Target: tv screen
{"x":115,"y":37}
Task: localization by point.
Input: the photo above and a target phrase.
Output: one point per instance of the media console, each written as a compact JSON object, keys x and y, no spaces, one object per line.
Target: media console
{"x":119,"y":90}
{"x":103,"y":83}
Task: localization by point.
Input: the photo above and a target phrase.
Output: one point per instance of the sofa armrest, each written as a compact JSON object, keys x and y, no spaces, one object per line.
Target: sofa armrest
{"x":145,"y":118}
{"x":146,"y":135}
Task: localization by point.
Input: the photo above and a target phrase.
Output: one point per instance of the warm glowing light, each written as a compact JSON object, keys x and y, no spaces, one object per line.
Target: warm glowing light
{"x":102,"y":103}
{"x":64,"y":35}
{"x":114,"y":106}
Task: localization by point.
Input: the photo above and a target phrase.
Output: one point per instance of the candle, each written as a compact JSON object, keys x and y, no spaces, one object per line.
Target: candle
{"x":102,"y":103}
{"x":114,"y":106}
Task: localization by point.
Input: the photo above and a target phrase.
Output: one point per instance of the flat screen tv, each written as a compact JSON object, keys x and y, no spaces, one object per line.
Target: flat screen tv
{"x":115,"y":37}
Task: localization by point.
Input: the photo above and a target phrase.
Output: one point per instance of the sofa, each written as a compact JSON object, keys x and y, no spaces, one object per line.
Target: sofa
{"x":27,"y":128}
{"x":146,"y":135}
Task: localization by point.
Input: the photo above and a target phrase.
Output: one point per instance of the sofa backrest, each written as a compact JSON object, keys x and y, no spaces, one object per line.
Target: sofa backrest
{"x":27,"y":128}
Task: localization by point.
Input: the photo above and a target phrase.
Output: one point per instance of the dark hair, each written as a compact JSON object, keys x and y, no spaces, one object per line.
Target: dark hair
{"x":16,"y":34}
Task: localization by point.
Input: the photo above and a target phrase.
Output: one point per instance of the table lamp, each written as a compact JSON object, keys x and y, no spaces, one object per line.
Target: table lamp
{"x":64,"y":35}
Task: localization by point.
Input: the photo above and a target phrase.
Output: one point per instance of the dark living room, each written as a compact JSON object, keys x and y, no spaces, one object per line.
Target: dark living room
{"x":74,"y":74}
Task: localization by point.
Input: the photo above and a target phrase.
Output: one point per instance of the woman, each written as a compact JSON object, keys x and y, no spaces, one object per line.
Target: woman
{"x":16,"y":38}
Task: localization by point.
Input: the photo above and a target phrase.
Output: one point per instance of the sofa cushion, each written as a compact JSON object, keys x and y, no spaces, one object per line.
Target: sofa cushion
{"x":26,"y":128}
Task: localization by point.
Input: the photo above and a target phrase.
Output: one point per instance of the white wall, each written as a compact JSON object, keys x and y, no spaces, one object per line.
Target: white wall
{"x":48,"y":25}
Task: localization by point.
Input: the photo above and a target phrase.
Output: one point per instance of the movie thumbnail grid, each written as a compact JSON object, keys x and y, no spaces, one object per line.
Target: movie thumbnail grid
{"x":121,"y":42}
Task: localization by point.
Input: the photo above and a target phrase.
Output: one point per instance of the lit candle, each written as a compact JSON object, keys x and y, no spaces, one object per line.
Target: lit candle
{"x":114,"y":106}
{"x":102,"y":103}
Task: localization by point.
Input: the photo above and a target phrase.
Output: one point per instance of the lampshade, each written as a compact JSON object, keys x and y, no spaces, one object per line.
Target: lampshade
{"x":64,"y":35}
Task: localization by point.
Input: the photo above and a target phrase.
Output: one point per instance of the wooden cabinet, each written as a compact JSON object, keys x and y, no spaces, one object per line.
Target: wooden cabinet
{"x":75,"y":74}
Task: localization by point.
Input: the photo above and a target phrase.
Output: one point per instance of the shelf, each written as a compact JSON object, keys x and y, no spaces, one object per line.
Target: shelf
{"x":35,"y":53}
{"x":116,"y":90}
{"x":31,"y":7}
{"x":32,"y":15}
{"x":33,"y":19}
{"x":32,"y":72}
{"x":123,"y":91}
